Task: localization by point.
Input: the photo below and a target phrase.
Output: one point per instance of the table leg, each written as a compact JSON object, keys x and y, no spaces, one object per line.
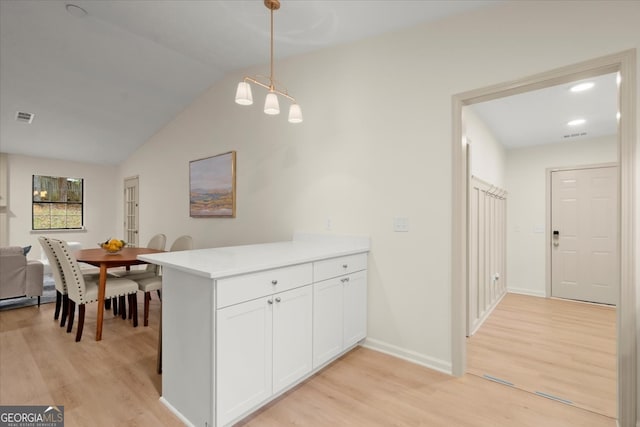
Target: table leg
{"x":102,"y":284}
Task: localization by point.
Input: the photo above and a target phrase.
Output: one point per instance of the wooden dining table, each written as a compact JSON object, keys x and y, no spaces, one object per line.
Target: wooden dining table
{"x":100,"y":258}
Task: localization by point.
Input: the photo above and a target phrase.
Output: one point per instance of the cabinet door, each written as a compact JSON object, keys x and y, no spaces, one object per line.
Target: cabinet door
{"x":292,"y":336}
{"x":355,"y":308}
{"x":327,"y":320}
{"x":243,"y":358}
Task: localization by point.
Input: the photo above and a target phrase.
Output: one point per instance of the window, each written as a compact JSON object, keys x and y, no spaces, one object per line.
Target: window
{"x":57,"y":203}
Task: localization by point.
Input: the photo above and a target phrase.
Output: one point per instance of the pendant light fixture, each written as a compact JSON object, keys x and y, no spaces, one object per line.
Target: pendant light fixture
{"x":271,"y":104}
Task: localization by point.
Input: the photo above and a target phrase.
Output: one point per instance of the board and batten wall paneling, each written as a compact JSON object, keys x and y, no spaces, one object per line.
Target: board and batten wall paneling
{"x":487,"y":251}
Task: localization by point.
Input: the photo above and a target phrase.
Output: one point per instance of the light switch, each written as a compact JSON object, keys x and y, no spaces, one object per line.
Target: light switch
{"x":400,"y":224}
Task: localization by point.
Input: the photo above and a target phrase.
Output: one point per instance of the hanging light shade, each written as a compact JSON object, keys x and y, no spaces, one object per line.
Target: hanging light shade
{"x":295,"y":114}
{"x":271,"y":103}
{"x":243,"y":94}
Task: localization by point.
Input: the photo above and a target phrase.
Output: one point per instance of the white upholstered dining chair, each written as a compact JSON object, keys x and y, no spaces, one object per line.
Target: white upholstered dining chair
{"x":154,"y":283}
{"x":82,"y":292}
{"x":58,"y":278}
{"x":158,"y":242}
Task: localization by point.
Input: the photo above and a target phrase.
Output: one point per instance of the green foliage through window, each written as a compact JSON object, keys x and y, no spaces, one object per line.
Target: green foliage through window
{"x":57,"y":203}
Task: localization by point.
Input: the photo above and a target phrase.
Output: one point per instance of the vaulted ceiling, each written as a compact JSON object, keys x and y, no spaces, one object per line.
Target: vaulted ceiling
{"x":101,"y":77}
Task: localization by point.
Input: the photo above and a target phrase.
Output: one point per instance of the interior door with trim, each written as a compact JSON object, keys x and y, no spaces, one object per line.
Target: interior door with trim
{"x":131,"y":199}
{"x":584,"y":240}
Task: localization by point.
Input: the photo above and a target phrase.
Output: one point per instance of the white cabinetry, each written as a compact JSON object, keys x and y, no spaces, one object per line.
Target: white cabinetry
{"x":263,"y":345}
{"x":241,"y":325}
{"x":339,"y":306}
{"x":243,"y":353}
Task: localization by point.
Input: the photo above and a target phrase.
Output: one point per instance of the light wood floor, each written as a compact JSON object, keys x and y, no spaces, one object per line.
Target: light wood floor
{"x":559,"y":347}
{"x":113,"y":383}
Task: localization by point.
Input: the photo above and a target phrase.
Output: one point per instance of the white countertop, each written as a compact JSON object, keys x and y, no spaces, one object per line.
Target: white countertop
{"x":228,"y":261}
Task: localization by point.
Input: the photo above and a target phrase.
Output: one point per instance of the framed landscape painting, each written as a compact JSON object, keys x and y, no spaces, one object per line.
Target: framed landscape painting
{"x":212,"y":186}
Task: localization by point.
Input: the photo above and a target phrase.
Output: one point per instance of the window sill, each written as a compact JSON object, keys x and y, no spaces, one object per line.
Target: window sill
{"x":60,"y":230}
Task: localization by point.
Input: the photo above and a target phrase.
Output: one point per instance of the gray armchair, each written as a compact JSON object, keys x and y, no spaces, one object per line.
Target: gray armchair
{"x":19,"y":277}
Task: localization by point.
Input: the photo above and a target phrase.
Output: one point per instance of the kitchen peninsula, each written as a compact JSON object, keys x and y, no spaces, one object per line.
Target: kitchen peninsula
{"x":243,"y":324}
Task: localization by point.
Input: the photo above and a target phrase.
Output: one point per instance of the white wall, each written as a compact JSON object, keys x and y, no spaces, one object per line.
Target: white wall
{"x":526,"y":207}
{"x":367,"y":152}
{"x":100,"y":200}
{"x":488,"y":156}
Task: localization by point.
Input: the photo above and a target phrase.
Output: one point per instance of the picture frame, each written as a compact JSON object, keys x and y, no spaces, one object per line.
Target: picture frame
{"x":212,"y":186}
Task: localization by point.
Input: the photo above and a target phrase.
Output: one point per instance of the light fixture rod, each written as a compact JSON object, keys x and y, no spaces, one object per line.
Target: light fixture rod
{"x":270,"y":87}
{"x":271,"y":59}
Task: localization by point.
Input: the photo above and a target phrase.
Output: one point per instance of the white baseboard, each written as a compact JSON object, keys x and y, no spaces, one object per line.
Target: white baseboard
{"x":175,"y":412}
{"x":409,"y":355}
{"x":486,"y":315}
{"x":523,"y":291}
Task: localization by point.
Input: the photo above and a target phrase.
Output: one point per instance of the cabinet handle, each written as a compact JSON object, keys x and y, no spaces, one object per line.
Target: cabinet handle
{"x":278,"y":299}
{"x":269,"y":301}
{"x":274,"y":282}
{"x":345,"y":265}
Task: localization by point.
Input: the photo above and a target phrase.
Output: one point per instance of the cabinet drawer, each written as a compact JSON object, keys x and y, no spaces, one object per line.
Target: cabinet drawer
{"x":334,"y":267}
{"x":234,"y":290}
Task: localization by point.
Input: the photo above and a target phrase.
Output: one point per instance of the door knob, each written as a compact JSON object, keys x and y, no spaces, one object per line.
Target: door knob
{"x":556,"y":238}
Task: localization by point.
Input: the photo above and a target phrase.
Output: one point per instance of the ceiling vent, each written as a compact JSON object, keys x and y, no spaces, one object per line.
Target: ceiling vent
{"x":574,"y":135}
{"x":23,"y":117}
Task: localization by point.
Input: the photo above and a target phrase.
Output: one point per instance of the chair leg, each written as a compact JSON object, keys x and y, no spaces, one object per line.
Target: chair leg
{"x":65,"y":310}
{"x":38,"y":300}
{"x":122,"y":308}
{"x":147,"y":298}
{"x":159,"y":294}
{"x":72,"y":311}
{"x":56,"y":314}
{"x":130,"y":308}
{"x":107,"y":304}
{"x":80,"y":322}
{"x":114,"y":301}
{"x":134,"y":304}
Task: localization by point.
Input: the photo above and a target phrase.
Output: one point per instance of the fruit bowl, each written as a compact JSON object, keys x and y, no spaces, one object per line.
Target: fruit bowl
{"x":112,"y":246}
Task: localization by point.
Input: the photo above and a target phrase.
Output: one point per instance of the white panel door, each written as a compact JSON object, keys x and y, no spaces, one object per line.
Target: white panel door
{"x":292,"y":336}
{"x":131,"y":200}
{"x":243,"y":357}
{"x":584,"y":224}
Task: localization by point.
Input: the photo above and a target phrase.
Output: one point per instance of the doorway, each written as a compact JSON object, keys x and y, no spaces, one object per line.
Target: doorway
{"x":527,"y":339}
{"x":625,"y":64}
{"x":131,"y":217}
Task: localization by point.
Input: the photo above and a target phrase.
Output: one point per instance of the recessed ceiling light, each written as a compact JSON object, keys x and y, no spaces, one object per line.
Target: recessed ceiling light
{"x":76,"y":11}
{"x":577,"y":122}
{"x":581,"y":87}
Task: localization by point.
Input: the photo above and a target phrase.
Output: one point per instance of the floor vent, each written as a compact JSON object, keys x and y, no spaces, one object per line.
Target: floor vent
{"x":552,"y":397}
{"x":23,"y":117}
{"x":497,"y":380}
